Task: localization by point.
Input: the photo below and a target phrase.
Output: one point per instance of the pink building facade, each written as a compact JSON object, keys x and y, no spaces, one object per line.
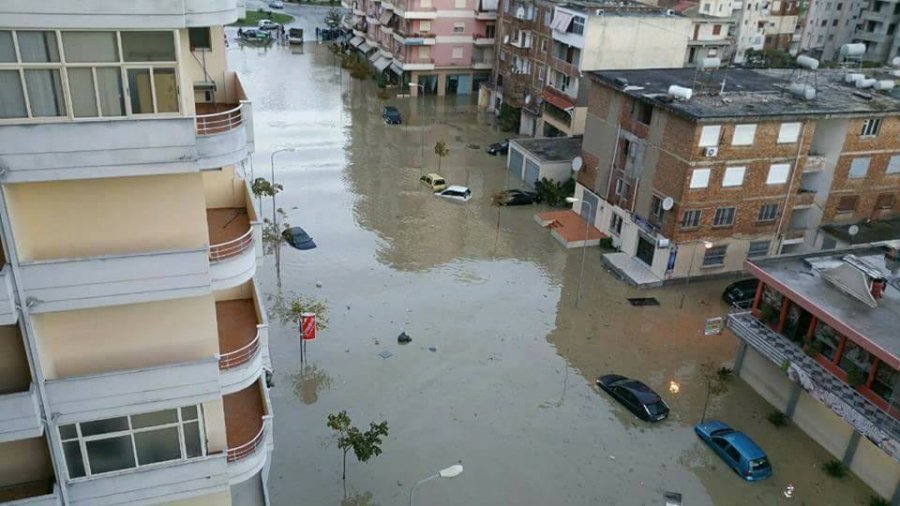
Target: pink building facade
{"x":439,"y":47}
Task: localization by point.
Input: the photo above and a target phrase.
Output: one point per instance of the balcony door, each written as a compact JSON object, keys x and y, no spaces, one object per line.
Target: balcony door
{"x":152,"y":90}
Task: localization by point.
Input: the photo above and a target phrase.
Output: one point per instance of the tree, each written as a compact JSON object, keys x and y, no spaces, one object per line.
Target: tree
{"x":288,"y":308}
{"x":365,"y":445}
{"x":441,"y":150}
{"x":261,"y":187}
{"x":333,"y":18}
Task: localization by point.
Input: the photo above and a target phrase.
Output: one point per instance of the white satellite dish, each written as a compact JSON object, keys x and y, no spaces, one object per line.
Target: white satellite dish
{"x":668,"y":203}
{"x":853,"y":230}
{"x":577,"y":162}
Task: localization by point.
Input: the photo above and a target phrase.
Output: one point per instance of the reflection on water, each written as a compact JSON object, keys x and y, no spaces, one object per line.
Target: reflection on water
{"x":309,"y":381}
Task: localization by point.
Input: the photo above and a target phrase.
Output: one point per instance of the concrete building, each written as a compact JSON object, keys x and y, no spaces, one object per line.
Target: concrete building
{"x":531,"y":160}
{"x":877,"y":28}
{"x":742,"y":169}
{"x":713,"y":32}
{"x":820,"y":344}
{"x":439,"y":47}
{"x":828,"y":25}
{"x":134,"y":340}
{"x":767,"y":24}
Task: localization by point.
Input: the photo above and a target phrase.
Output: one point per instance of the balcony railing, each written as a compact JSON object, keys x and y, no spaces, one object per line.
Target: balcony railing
{"x":248,"y":448}
{"x":805,"y":198}
{"x":209,"y":124}
{"x":232,"y":248}
{"x":241,"y":355}
{"x":814,"y":163}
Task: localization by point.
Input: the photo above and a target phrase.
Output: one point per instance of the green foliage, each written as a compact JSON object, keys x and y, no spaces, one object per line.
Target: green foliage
{"x":607,"y":243}
{"x":288,"y":308}
{"x":358,"y":67}
{"x":272,"y":235}
{"x":365,"y":445}
{"x":855,"y":375}
{"x":333,"y":18}
{"x":380,"y":80}
{"x":261,"y":187}
{"x":553,"y":192}
{"x":254,"y":17}
{"x":835,"y":468}
{"x":717,"y":378}
{"x":768,"y":314}
{"x":441,"y":150}
{"x":508,"y":119}
{"x":814,"y":348}
{"x":878,"y":501}
{"x":777,"y":418}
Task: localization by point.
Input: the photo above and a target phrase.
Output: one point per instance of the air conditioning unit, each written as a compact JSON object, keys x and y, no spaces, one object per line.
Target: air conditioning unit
{"x":662,"y":243}
{"x":711,"y":152}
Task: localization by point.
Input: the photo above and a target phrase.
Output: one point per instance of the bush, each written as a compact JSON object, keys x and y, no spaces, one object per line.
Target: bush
{"x":724,"y":373}
{"x":777,"y":418}
{"x":381,"y":80}
{"x":508,"y":119}
{"x":855,"y":376}
{"x":606,"y":243}
{"x":878,"y":501}
{"x":835,"y":468}
{"x":554,"y":193}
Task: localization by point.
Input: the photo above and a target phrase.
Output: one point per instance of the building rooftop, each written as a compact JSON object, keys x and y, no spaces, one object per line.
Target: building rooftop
{"x":551,"y":149}
{"x":614,"y":7}
{"x":753,"y":93}
{"x":868,"y":231}
{"x":802,"y":278}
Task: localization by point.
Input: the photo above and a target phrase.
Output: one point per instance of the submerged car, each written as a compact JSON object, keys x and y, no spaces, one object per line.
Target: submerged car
{"x":298,"y":238}
{"x":456,"y":193}
{"x":253,"y":34}
{"x":740,"y":293}
{"x":499,"y":148}
{"x":276,"y":4}
{"x":516,"y":198}
{"x":435,"y":182}
{"x":391,"y":115}
{"x":736,"y":449}
{"x":636,"y":396}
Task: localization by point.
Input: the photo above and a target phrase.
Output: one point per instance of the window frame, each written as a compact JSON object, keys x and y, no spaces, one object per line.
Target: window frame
{"x":747,"y":130}
{"x":694,"y":216}
{"x":786,"y":135}
{"x":714,"y":253}
{"x":843,"y":210}
{"x":882,"y":200}
{"x":706,"y":135}
{"x":758,"y":252}
{"x":578,"y":21}
{"x":772,"y":172}
{"x":865,"y":160}
{"x":732,"y":170}
{"x":870,"y":128}
{"x":696,"y":175}
{"x":767,"y":213}
{"x":725,"y":213}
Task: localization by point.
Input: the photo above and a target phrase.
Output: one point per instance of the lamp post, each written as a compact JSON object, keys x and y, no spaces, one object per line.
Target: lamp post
{"x":422,"y":140}
{"x":706,"y":245}
{"x":282,"y":150}
{"x":587,"y":225}
{"x":450,"y":472}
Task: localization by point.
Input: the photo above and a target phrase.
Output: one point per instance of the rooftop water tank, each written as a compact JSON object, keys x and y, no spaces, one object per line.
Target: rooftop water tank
{"x":680,"y":92}
{"x":857,"y":49}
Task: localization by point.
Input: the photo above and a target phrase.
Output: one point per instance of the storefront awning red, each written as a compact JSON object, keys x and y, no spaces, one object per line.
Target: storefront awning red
{"x":558,"y":101}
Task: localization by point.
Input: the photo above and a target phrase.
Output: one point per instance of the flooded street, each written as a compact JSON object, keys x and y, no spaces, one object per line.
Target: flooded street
{"x":500,"y":372}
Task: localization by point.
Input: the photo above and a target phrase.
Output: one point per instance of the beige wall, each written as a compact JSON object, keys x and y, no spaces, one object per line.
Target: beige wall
{"x":69,"y":219}
{"x":223,"y":188}
{"x":219,"y":499}
{"x":15,"y":373}
{"x":244,"y":291}
{"x":876,"y":468}
{"x":214,"y":415}
{"x":132,"y":336}
{"x":636,"y":42}
{"x":192,"y":66}
{"x":23,"y":461}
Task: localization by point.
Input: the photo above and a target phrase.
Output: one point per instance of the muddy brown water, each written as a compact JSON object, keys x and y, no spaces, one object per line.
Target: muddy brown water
{"x":509,"y":390}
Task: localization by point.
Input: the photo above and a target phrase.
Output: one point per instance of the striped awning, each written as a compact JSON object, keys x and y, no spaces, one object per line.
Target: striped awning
{"x":356,"y":41}
{"x":382,"y":63}
{"x":375,"y":56}
{"x":397,"y":69}
{"x":385,"y":17}
{"x":364,"y":47}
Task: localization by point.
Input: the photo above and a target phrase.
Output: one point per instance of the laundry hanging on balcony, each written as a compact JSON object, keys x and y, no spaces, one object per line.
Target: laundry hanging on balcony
{"x":561,"y":22}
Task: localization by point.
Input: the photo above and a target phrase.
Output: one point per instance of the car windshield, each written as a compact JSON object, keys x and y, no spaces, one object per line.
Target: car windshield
{"x":757,"y":464}
{"x":721,"y":432}
{"x":438,"y":181}
{"x":657,"y":408}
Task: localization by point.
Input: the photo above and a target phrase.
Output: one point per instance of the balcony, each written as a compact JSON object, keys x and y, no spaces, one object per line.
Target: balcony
{"x":243,"y":341}
{"x":36,"y":493}
{"x":235,"y":231}
{"x":32,"y":483}
{"x":564,"y":67}
{"x":486,"y":10}
{"x":121,"y":392}
{"x":225,"y":130}
{"x":846,"y":402}
{"x":805,"y":199}
{"x":482,"y":40}
{"x":414,"y":39}
{"x":19,"y":415}
{"x":411,"y":9}
{"x":140,"y":14}
{"x":416,"y":64}
{"x":794,"y":235}
{"x":248,"y":429}
{"x":814,"y":163}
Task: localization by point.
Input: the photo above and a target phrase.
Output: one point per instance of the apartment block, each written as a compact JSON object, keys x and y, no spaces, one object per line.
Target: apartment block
{"x":876,"y":27}
{"x":439,"y":47}
{"x":828,"y":25}
{"x":767,"y":24}
{"x":713,"y":32}
{"x":134,"y":338}
{"x":819,"y":343}
{"x":741,"y":169}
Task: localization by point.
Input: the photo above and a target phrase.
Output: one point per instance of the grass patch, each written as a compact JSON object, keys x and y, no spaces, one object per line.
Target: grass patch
{"x":254,"y":17}
{"x":878,"y":501}
{"x":835,"y":468}
{"x":777,"y":418}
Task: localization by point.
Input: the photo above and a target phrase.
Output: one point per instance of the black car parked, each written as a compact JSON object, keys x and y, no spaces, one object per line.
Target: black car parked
{"x":636,"y":396}
{"x":391,"y":115}
{"x":740,"y":293}
{"x":498,"y":148}
{"x":516,"y":198}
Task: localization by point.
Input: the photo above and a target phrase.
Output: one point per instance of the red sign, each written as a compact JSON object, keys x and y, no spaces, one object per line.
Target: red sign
{"x":308,"y":326}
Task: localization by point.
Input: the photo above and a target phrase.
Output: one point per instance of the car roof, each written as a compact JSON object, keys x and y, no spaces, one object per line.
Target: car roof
{"x":434,"y":175}
{"x":640,"y":390}
{"x":744,"y":445}
{"x":390,"y":108}
{"x":457,"y":188}
{"x":744,"y":283}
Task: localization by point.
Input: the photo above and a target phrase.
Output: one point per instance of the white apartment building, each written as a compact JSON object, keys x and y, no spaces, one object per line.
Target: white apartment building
{"x":767,"y":24}
{"x":713,"y":32}
{"x":829,"y":24}
{"x":133,"y":340}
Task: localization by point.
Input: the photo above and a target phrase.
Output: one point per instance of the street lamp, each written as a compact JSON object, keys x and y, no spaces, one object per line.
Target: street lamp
{"x":450,"y":472}
{"x":422,"y":142}
{"x":282,"y":150}
{"x":706,"y":245}
{"x":587,"y":224}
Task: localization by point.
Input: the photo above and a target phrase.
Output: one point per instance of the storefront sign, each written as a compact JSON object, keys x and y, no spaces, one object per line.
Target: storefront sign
{"x":673,"y":254}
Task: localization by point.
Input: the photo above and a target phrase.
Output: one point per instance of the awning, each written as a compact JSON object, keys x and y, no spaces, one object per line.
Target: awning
{"x":489,"y":5}
{"x":382,"y":63}
{"x":355,"y":41}
{"x":558,"y":101}
{"x":397,"y":69}
{"x":385,"y":17}
{"x":364,"y":47}
{"x":561,"y":22}
{"x":375,"y":56}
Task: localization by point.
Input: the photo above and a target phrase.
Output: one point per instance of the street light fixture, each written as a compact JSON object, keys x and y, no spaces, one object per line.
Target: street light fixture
{"x":450,"y":472}
{"x":422,"y":112}
{"x":282,"y":150}
{"x":706,"y":245}
{"x":587,"y":224}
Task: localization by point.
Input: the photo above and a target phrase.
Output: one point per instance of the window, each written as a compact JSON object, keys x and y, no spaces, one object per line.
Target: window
{"x":127,"y":442}
{"x":884,"y":381}
{"x":758,"y":249}
{"x":656,"y":208}
{"x":541,"y":74}
{"x":724,"y":217}
{"x":788,"y":133}
{"x":859,"y":167}
{"x":778,"y":173}
{"x":893,"y":165}
{"x":642,"y":111}
{"x":734,"y":176}
{"x":424,"y":26}
{"x":7,"y":48}
{"x":543,"y":45}
{"x":870,"y":127}
{"x":847,"y":204}
{"x":717,"y":29}
{"x":548,"y":17}
{"x":42,"y":77}
{"x":459,"y":27}
{"x":767,"y":213}
{"x":700,"y":178}
{"x":38,"y":47}
{"x":457,"y":52}
{"x":690,"y":219}
{"x":615,"y":224}
{"x":505,"y":6}
{"x":885,"y":201}
{"x":90,"y":47}
{"x":621,"y":187}
{"x":705,"y":7}
{"x":709,"y":136}
{"x":714,"y":256}
{"x":489,"y":31}
{"x":826,"y":340}
{"x":743,"y":135}
{"x":577,"y":25}
{"x":199,"y":38}
{"x":855,"y":357}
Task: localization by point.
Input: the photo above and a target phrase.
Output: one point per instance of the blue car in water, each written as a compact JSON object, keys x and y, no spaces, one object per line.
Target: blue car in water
{"x":736,"y":449}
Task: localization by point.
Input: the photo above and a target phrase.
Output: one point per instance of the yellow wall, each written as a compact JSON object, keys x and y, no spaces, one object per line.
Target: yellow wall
{"x":192,"y":66}
{"x":223,"y":188}
{"x":23,"y":461}
{"x":15,"y":374}
{"x":214,"y":414}
{"x":244,"y":291}
{"x":68,"y":219}
{"x":876,"y":468}
{"x":218,"y":499}
{"x":132,"y":336}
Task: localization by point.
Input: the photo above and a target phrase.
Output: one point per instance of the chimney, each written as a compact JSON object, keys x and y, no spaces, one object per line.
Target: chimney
{"x":878,"y":287}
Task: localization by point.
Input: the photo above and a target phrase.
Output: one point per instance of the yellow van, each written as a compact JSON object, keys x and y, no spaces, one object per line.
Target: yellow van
{"x":434,"y":181}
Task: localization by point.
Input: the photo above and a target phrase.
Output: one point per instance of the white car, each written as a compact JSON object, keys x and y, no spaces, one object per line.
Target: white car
{"x":276,"y":4}
{"x":460,"y":193}
{"x":267,"y":24}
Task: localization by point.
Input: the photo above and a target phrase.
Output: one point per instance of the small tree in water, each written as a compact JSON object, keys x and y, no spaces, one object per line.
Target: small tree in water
{"x":333,"y":18}
{"x":365,"y":445}
{"x":288,"y":308}
{"x":441,"y":150}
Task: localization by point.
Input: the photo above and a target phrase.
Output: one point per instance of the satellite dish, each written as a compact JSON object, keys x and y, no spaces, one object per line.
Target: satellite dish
{"x":853,"y":230}
{"x":668,"y":203}
{"x":577,"y":162}
{"x":527,"y":99}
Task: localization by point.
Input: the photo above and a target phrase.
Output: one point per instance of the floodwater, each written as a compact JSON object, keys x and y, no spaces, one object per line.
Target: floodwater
{"x":499,"y":374}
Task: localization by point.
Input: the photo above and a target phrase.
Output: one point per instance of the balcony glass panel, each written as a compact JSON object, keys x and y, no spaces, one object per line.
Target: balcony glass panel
{"x":854,"y":357}
{"x":45,"y":92}
{"x":112,"y":454}
{"x":38,"y":47}
{"x":885,"y":379}
{"x":7,"y":49}
{"x":157,"y":445}
{"x":74,"y":462}
{"x":155,"y":418}
{"x":12,"y":97}
{"x":90,"y":47}
{"x":104,"y":426}
{"x":770,"y":305}
{"x":148,"y":46}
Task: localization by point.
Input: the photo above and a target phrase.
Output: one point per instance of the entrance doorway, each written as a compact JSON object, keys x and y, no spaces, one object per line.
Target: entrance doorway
{"x":645,"y":250}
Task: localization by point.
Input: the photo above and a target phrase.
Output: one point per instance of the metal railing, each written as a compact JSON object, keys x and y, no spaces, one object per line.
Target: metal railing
{"x":218,"y":122}
{"x":248,"y":448}
{"x":232,"y":248}
{"x":241,"y":355}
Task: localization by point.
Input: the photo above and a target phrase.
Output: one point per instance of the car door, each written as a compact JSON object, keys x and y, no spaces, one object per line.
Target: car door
{"x":629,"y":401}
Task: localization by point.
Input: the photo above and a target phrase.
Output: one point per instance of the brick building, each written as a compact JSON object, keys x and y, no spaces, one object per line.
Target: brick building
{"x":742,"y":169}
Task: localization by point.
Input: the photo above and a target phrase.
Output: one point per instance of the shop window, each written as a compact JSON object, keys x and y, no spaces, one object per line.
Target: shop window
{"x":856,"y":362}
{"x":770,"y":305}
{"x":825,"y":340}
{"x":884,"y":381}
